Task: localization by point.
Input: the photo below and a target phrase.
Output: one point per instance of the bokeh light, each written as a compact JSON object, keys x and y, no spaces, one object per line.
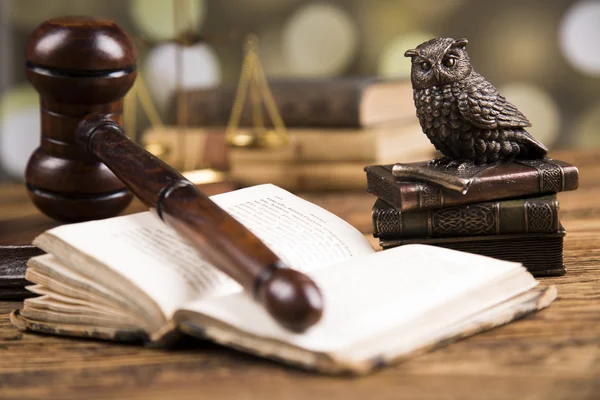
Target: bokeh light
{"x":156,"y":18}
{"x":553,"y":46}
{"x":392,"y":63}
{"x":200,"y":68}
{"x":27,"y":14}
{"x":514,"y":45}
{"x":320,"y":39}
{"x":579,"y":37}
{"x":538,"y":106}
{"x":586,"y":133}
{"x":269,"y":51}
{"x":19,"y":129}
{"x":248,"y":13}
{"x":428,"y":10}
{"x":380,"y":22}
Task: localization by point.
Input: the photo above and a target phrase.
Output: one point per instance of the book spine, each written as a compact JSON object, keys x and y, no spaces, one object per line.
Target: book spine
{"x":300,"y":105}
{"x":554,"y":175}
{"x":533,"y":215}
{"x":382,"y":144}
{"x":302,"y":177}
{"x":188,"y":147}
{"x":314,"y":146}
{"x":179,"y":146}
{"x":520,"y":179}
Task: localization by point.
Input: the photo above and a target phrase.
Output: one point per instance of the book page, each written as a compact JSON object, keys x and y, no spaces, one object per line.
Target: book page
{"x":150,"y":255}
{"x":422,"y":288}
{"x":305,"y":236}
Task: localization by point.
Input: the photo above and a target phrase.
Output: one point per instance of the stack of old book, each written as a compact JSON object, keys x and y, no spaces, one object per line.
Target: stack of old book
{"x":335,"y":128}
{"x":507,"y":211}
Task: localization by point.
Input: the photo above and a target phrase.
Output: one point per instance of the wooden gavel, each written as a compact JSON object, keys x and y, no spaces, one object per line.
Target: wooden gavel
{"x":82,"y":67}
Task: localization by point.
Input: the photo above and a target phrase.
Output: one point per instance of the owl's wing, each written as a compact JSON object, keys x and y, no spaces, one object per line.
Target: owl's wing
{"x":482,"y":105}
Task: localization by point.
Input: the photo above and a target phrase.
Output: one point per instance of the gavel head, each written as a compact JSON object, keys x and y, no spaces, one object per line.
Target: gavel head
{"x":79,"y":66}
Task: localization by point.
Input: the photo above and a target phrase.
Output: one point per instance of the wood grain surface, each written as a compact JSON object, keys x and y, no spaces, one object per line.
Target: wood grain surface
{"x":554,"y":354}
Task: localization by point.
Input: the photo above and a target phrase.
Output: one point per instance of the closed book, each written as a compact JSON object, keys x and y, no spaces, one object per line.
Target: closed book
{"x":188,"y":148}
{"x":381,"y":144}
{"x":519,"y":178}
{"x":540,"y":253}
{"x":16,"y":234}
{"x":12,"y":271}
{"x":529,"y":215}
{"x":340,"y":103}
{"x":302,"y":177}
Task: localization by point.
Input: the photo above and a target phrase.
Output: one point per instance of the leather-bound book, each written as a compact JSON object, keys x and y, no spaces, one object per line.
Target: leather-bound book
{"x":515,"y":179}
{"x":528,"y":215}
{"x":16,"y":234}
{"x":381,"y":144}
{"x":334,"y":103}
{"x":12,"y":271}
{"x":540,"y":253}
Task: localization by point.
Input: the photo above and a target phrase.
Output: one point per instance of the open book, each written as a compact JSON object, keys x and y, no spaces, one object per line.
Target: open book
{"x":133,"y":278}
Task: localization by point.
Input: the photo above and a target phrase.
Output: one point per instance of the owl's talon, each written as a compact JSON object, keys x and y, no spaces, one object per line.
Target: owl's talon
{"x":465,"y":165}
{"x":439,"y":162}
{"x":460,"y":165}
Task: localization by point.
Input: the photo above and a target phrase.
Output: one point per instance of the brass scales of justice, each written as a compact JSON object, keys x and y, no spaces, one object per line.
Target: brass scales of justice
{"x":252,"y":85}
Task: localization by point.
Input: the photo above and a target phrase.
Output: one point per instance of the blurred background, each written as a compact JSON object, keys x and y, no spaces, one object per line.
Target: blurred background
{"x":544,"y":56}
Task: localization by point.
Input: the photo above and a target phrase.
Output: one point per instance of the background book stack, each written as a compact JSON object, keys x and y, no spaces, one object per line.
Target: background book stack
{"x":518,"y":222}
{"x":335,"y":128}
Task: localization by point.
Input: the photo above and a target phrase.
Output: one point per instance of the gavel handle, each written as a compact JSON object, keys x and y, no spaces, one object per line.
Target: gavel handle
{"x":289,"y":296}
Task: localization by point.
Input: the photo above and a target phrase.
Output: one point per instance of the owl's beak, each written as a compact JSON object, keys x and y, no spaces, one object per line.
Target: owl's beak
{"x":436,"y":72}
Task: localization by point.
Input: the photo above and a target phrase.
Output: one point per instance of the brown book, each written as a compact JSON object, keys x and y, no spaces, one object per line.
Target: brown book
{"x":515,"y":179}
{"x":336,"y":103}
{"x":540,"y":253}
{"x":16,"y":234}
{"x":12,"y":271}
{"x":529,"y":215}
{"x":132,"y":278}
{"x":384,"y":143}
{"x":302,"y":177}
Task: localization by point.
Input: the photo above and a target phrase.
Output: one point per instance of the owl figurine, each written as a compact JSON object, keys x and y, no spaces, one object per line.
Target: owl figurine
{"x":463,"y":115}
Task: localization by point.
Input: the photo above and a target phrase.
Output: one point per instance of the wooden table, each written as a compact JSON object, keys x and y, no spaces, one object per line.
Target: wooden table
{"x":554,"y":354}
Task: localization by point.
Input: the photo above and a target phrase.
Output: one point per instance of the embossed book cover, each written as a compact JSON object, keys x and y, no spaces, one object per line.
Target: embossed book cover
{"x":529,"y":215}
{"x":520,"y":178}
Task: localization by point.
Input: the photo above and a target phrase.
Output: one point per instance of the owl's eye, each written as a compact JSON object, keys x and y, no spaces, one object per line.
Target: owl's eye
{"x":425,"y":66}
{"x":449,"y":62}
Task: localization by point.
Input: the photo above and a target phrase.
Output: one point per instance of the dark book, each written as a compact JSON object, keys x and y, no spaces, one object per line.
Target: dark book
{"x":530,"y":215}
{"x":333,"y":103}
{"x":540,"y":253}
{"x":520,"y":178}
{"x":16,"y":235}
{"x":12,"y":271}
